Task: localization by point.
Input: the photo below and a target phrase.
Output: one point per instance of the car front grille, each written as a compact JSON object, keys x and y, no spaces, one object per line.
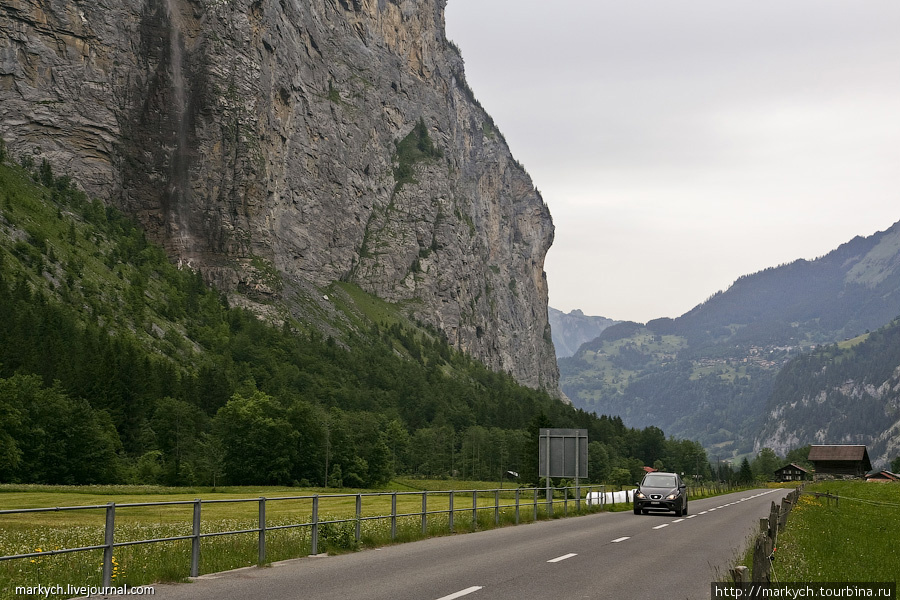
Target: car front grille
{"x":655,"y":496}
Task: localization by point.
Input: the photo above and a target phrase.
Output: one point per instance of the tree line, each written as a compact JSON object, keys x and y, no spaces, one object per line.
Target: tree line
{"x":116,"y":366}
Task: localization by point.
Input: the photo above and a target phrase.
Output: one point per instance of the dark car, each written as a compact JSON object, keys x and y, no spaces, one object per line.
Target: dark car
{"x":661,"y":491}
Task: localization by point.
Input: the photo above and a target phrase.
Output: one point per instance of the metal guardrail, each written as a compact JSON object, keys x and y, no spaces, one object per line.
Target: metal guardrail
{"x":592,"y":493}
{"x":109,"y":543}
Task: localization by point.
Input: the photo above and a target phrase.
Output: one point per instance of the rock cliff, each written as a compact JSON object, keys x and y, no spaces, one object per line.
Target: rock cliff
{"x":287,"y":144}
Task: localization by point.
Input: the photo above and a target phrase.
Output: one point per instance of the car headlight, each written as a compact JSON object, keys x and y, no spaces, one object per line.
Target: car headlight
{"x":672,"y":496}
{"x":640,"y":495}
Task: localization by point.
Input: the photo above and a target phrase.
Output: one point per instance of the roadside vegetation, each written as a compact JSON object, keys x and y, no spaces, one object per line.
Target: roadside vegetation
{"x":170,"y":561}
{"x":850,"y":537}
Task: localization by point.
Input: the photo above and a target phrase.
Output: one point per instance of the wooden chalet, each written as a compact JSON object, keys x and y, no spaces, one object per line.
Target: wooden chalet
{"x":840,"y":461}
{"x":791,"y":472}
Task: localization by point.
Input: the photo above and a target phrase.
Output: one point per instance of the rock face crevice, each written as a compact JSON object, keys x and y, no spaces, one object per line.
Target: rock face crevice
{"x":265,"y":132}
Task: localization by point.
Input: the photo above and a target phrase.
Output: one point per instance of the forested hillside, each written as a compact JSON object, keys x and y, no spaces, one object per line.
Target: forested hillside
{"x":117,"y":366}
{"x":708,"y":374}
{"x":842,"y":393}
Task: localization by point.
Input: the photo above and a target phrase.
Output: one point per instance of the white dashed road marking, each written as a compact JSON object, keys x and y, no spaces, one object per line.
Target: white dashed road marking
{"x":561,"y":558}
{"x":462,"y":593}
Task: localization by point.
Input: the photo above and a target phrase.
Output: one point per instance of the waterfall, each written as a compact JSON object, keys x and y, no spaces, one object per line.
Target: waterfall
{"x":178,"y":177}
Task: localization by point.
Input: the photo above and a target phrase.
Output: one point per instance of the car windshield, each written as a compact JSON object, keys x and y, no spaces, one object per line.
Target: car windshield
{"x":659,"y":480}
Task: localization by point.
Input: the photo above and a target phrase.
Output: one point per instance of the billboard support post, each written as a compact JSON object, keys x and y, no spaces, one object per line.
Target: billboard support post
{"x":563,"y":453}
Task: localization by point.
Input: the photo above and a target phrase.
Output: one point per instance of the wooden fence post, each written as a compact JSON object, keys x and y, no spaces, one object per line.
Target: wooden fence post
{"x":761,"y":564}
{"x":773,"y":522}
{"x":740,"y":575}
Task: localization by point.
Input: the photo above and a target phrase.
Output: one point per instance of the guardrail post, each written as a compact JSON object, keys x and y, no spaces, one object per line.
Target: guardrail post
{"x":517,"y":506}
{"x":424,"y":513}
{"x":496,"y":507}
{"x":451,"y":511}
{"x":108,"y":541}
{"x":195,"y":541}
{"x":394,"y":516}
{"x":358,"y":517}
{"x":535,"y":504}
{"x":262,"y":531}
{"x":474,"y":509}
{"x":314,"y":536}
{"x":566,"y":501}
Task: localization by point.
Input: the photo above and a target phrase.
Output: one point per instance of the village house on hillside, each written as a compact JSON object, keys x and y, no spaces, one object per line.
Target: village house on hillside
{"x":840,"y":461}
{"x":791,"y":472}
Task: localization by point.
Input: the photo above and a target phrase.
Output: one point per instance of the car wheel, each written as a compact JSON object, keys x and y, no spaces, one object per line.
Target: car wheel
{"x":637,"y":511}
{"x":684,"y":510}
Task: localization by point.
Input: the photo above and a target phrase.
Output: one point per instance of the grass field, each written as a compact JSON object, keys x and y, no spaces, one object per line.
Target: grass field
{"x":853,"y":539}
{"x":46,"y":532}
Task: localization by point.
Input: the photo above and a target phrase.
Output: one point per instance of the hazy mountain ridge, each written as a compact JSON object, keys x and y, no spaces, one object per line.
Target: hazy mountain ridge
{"x":851,"y":289}
{"x":709,"y":373}
{"x":571,"y":330}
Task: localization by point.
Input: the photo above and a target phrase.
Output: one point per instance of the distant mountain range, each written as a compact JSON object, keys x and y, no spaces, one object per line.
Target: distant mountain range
{"x":571,"y":330}
{"x":711,"y":373}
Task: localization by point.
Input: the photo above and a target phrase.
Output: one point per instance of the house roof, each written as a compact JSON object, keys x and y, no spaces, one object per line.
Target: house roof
{"x":792,"y":466}
{"x":883,"y":474}
{"x":848,"y":453}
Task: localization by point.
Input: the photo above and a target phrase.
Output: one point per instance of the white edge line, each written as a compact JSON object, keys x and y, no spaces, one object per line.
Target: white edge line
{"x":661,"y":526}
{"x":621,"y":539}
{"x":691,"y":516}
{"x":678,"y":520}
{"x":561,"y":558}
{"x":462,"y":593}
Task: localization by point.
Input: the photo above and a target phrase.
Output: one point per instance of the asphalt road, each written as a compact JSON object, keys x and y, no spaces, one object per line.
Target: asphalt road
{"x":605,"y":555}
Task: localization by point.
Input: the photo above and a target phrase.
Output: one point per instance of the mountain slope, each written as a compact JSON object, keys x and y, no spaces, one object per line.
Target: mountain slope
{"x":280,"y":147}
{"x":116,"y":365}
{"x":846,"y":393}
{"x":571,"y":330}
{"x":851,"y":289}
{"x":709,"y":373}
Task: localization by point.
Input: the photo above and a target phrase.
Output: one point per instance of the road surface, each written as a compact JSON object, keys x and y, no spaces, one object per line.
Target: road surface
{"x":604,"y":555}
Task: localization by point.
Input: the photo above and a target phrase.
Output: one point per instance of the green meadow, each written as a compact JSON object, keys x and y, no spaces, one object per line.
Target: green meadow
{"x":854,"y":539}
{"x":849,"y":539}
{"x":46,"y":532}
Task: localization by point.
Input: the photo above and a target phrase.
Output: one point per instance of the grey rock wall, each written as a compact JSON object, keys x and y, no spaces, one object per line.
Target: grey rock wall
{"x":259,"y":136}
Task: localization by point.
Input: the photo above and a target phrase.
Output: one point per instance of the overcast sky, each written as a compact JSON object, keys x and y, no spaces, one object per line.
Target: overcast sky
{"x":681,"y":144}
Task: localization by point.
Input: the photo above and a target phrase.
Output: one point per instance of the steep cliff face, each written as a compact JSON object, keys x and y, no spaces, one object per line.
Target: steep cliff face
{"x":262,"y":141}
